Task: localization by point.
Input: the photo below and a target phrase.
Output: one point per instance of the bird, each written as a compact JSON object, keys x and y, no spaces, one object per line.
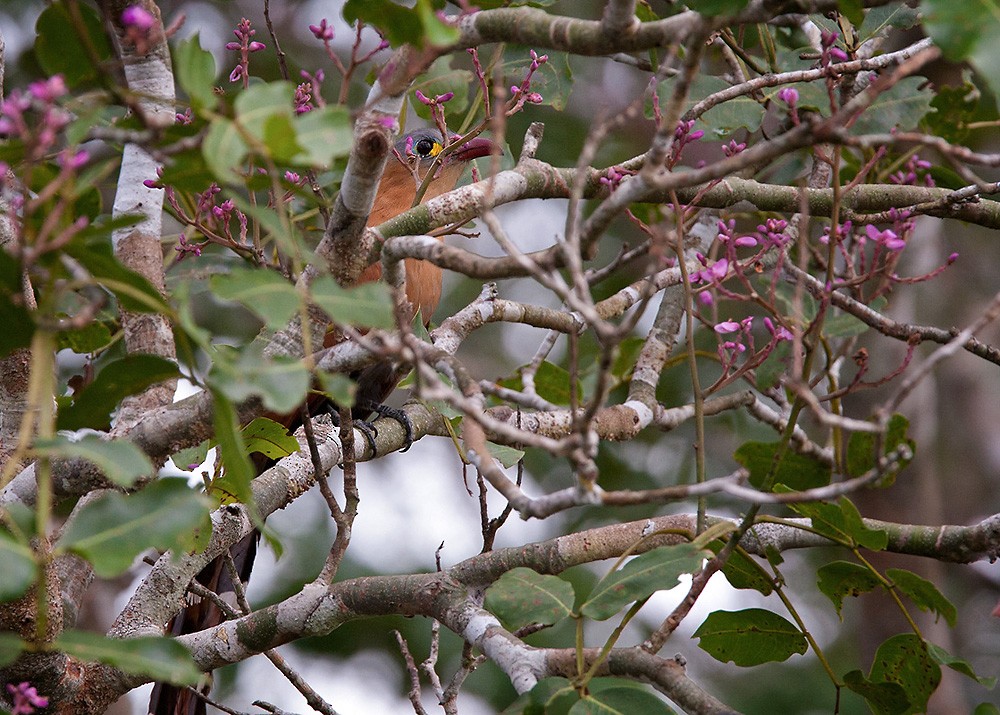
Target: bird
{"x":414,"y":156}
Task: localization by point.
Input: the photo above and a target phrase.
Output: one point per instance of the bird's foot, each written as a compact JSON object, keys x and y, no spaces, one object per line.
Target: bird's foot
{"x":392,"y":413}
{"x":364,"y":426}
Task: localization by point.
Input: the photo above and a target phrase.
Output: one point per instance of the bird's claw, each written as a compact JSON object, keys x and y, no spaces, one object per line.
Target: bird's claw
{"x":396,"y":414}
{"x":370,"y":431}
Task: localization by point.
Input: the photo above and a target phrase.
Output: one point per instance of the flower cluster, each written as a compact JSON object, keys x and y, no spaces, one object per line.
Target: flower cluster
{"x":324,"y":32}
{"x":830,"y":52}
{"x":522,"y":93}
{"x":34,"y":117}
{"x":739,"y":339}
{"x":790,"y":96}
{"x":614,"y":175}
{"x":25,"y":698}
{"x":682,"y":137}
{"x":917,"y":171}
{"x":245,"y":47}
{"x":140,"y":28}
{"x":303,"y":98}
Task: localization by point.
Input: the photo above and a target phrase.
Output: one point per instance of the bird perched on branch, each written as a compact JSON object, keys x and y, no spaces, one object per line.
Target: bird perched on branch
{"x":418,"y":154}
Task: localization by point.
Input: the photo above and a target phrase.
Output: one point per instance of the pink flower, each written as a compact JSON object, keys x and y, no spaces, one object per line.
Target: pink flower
{"x":729,"y":326}
{"x":137,"y":17}
{"x":789,"y":95}
{"x":322,"y":31}
{"x":25,"y":698}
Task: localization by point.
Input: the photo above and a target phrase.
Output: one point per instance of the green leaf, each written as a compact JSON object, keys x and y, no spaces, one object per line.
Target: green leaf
{"x":843,"y":325}
{"x":843,"y":523}
{"x":325,"y":134}
{"x":279,"y":138}
{"x":159,"y":658}
{"x":550,"y":696}
{"x":986,"y":709}
{"x":87,"y":339}
{"x":234,"y":484}
{"x":656,"y":570}
{"x":843,"y":578}
{"x":878,"y":19}
{"x":281,"y":382}
{"x":266,"y":293}
{"x":943,"y":657}
{"x":711,"y":8}
{"x":749,"y":637}
{"x":742,"y":572}
{"x":120,"y":461}
{"x":224,"y":149}
{"x":900,"y":107}
{"x":861,"y":449}
{"x":769,"y":372}
{"x":955,"y":106}
{"x":507,"y":456}
{"x":10,"y":648}
{"x":417,"y":26}
{"x":626,"y":354}
{"x":130,"y":375}
{"x":189,"y":170}
{"x":853,"y":10}
{"x":723,"y":119}
{"x":796,"y":471}
{"x":551,"y":383}
{"x":17,"y":322}
{"x":196,"y":455}
{"x":256,"y":106}
{"x":923,"y":593}
{"x":364,"y":306}
{"x":436,"y":33}
{"x":59,"y":49}
{"x":196,"y":72}
{"x":17,"y":564}
{"x":269,"y":438}
{"x":620,"y":701}
{"x":133,"y":291}
{"x":522,"y":596}
{"x":339,"y":388}
{"x":441,"y":78}
{"x":904,"y":659}
{"x":113,"y":529}
{"x":882,"y":698}
{"x":967,"y":31}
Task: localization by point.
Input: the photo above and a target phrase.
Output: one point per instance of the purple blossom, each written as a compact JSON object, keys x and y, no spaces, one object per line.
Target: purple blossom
{"x":831,"y":53}
{"x":136,"y":17}
{"x":521,"y":94}
{"x":185,"y":249}
{"x":728,"y":326}
{"x":732,"y":148}
{"x":789,"y":95}
{"x":245,"y":47}
{"x":48,"y":90}
{"x":779,"y":332}
{"x":322,"y":31}
{"x":68,"y":159}
{"x":303,"y":99}
{"x":887,"y":238}
{"x":430,"y":102}
{"x":713,"y":273}
{"x":25,"y":698}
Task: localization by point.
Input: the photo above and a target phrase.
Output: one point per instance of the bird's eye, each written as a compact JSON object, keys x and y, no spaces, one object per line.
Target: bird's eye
{"x":424,"y":147}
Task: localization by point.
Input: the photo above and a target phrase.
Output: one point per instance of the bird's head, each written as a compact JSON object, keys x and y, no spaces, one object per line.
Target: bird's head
{"x":414,"y":155}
